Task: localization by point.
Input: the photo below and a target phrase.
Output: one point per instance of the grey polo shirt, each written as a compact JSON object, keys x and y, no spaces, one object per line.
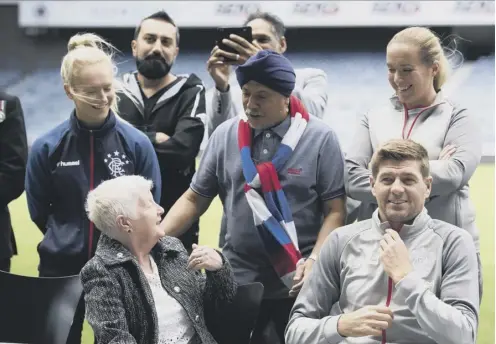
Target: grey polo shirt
{"x":313,"y":174}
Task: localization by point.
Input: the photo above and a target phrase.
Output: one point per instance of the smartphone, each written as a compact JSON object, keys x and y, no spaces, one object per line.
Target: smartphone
{"x":224,"y":32}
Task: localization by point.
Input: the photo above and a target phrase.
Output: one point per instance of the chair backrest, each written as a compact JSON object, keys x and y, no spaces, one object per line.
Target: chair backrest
{"x":37,"y":309}
{"x":235,"y":322}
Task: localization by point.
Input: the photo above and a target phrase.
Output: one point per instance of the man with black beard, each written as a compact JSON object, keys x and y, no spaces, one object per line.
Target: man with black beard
{"x":168,"y":108}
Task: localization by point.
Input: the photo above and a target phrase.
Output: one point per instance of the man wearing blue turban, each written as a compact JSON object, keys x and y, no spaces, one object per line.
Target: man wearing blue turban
{"x":279,"y":173}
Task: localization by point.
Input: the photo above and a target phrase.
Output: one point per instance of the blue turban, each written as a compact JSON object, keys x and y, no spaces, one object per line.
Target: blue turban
{"x":269,"y":69}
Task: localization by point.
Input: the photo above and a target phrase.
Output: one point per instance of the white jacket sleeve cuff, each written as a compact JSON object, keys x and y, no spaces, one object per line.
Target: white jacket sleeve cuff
{"x":331,"y":330}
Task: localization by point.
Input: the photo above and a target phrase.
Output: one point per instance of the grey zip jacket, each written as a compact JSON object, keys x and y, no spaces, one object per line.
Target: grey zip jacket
{"x":435,"y":127}
{"x":438,"y":302}
{"x":311,"y":88}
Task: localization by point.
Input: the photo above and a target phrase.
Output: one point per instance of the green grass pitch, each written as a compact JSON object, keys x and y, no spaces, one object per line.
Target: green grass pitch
{"x":482,"y":193}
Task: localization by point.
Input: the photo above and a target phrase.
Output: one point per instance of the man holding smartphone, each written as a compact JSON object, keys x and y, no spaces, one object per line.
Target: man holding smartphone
{"x":13,"y":157}
{"x":224,"y":100}
{"x":166,"y":107}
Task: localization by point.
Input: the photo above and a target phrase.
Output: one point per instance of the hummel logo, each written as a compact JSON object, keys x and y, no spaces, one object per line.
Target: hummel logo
{"x":68,"y":163}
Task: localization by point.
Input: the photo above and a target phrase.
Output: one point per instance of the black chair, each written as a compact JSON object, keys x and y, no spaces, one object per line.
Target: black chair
{"x":235,"y":322}
{"x":37,"y":309}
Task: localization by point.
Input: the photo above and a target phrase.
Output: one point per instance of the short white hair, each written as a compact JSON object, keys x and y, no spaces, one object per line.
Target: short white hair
{"x":114,"y":197}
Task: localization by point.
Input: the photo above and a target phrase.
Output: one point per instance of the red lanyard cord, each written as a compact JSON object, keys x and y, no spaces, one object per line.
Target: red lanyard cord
{"x":413,"y":124}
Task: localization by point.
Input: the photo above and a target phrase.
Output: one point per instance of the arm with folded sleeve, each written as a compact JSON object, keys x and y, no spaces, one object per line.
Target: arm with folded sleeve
{"x":181,"y":148}
{"x":13,"y":152}
{"x":449,"y":175}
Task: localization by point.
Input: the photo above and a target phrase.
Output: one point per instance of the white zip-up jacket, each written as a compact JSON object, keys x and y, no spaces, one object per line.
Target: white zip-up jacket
{"x":438,"y":302}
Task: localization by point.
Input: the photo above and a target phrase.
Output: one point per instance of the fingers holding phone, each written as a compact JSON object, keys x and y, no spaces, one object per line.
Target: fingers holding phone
{"x":243,"y":49}
{"x":235,"y":44}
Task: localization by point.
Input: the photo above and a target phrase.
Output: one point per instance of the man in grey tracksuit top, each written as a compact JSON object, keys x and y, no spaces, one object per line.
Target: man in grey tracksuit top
{"x":399,"y":277}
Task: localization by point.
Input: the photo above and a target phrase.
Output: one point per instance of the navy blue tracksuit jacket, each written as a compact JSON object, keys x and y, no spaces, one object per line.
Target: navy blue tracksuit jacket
{"x":63,"y":166}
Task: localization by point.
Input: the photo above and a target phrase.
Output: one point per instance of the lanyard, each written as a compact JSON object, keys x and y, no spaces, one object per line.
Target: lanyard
{"x":413,"y":123}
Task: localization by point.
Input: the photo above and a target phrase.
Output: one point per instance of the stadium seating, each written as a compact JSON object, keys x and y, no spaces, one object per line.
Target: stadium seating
{"x":357,"y":81}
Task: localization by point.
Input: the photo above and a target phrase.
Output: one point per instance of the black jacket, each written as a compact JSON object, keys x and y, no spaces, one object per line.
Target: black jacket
{"x":64,"y":165}
{"x":127,"y":314}
{"x":178,"y":113}
{"x":13,"y":157}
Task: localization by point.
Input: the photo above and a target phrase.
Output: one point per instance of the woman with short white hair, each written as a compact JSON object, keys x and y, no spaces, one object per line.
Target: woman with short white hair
{"x":141,"y":286}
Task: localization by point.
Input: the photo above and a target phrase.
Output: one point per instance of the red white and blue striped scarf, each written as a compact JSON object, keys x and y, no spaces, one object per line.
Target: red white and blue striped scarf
{"x":271,"y":213}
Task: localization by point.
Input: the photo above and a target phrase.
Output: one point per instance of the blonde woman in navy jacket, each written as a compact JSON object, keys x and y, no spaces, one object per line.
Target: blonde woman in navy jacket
{"x":91,"y":146}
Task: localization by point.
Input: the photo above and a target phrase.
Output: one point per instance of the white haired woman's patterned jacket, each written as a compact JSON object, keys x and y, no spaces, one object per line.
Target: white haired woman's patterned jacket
{"x":119,"y":302}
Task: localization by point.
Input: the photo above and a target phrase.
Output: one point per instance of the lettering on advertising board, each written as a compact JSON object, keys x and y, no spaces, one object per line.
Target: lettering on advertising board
{"x":396,"y":7}
{"x":57,"y":14}
{"x":237,"y":8}
{"x":40,"y":11}
{"x":102,"y":11}
{"x":475,"y":7}
{"x":316,"y":8}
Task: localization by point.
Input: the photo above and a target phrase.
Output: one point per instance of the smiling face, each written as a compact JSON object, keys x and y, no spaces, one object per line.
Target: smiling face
{"x":412,"y":80}
{"x":400,"y":190}
{"x":93,"y":92}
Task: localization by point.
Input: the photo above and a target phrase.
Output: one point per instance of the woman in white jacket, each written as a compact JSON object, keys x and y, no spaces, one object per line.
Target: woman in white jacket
{"x":417,"y":69}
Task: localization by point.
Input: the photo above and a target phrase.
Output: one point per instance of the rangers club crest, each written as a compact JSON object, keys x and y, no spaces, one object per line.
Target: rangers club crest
{"x":115,"y":163}
{"x":2,"y":111}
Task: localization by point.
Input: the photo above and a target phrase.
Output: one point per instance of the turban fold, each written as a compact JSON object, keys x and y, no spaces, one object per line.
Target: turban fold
{"x":269,"y":69}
